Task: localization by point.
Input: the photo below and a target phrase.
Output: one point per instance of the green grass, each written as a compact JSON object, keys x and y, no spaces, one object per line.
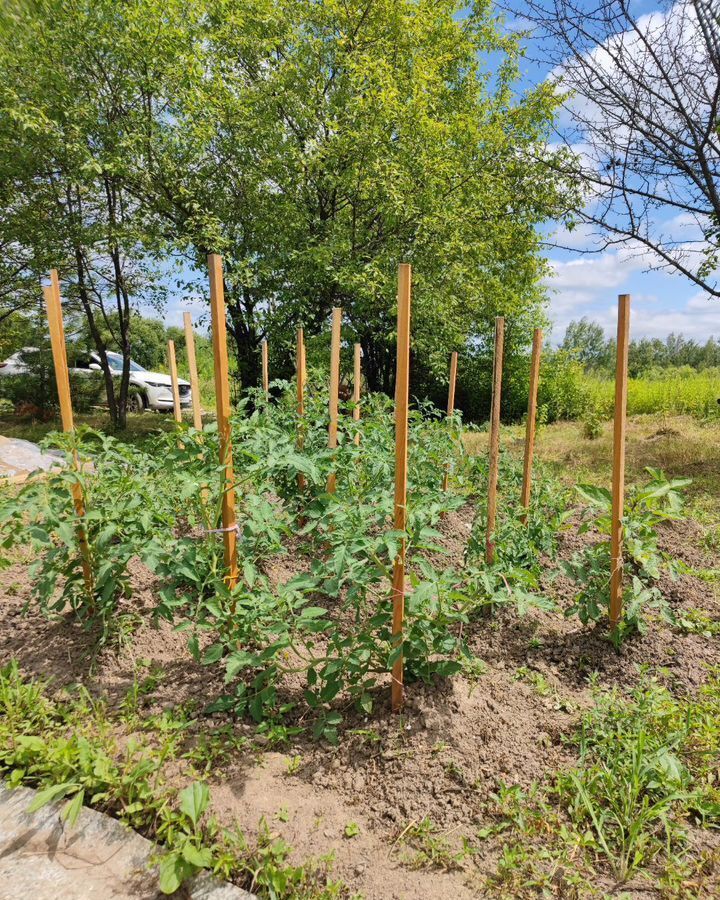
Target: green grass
{"x":139,"y":426}
{"x":677,"y":392}
{"x":71,"y":748}
{"x":679,"y":445}
{"x":647,"y":774}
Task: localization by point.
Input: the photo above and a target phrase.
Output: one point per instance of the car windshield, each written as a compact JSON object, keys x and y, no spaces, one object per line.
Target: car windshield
{"x":116,"y":362}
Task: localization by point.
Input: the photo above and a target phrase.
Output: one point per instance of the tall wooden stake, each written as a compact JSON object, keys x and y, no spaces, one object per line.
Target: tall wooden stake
{"x":494,"y":439}
{"x":402,"y":390}
{"x":334,"y":387}
{"x":174,"y":381}
{"x":357,"y":378}
{"x":222,"y":393}
{"x":51,"y":294}
{"x":531,"y":419}
{"x":192,"y":365}
{"x":450,"y":407}
{"x":618,"y":476}
{"x":300,"y":377}
{"x":265,"y":370}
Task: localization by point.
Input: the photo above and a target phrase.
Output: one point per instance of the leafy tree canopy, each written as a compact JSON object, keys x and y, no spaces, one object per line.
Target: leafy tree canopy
{"x":314,"y":145}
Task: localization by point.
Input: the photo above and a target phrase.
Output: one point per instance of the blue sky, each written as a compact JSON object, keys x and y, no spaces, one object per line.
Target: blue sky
{"x":587,"y":284}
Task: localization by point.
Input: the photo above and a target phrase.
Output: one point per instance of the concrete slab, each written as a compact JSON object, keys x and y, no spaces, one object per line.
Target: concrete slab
{"x":44,"y":859}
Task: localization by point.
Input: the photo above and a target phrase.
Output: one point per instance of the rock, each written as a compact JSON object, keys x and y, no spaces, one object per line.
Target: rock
{"x":43,"y":858}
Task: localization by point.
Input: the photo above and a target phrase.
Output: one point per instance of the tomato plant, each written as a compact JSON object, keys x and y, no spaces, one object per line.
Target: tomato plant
{"x":646,"y":506}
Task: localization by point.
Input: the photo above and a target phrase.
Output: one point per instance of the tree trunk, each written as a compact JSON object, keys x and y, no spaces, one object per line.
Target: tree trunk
{"x":97,"y":338}
{"x":122,"y":301}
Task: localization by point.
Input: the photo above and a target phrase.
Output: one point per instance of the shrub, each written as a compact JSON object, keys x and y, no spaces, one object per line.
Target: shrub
{"x":592,"y":424}
{"x":680,"y":391}
{"x":562,"y":389}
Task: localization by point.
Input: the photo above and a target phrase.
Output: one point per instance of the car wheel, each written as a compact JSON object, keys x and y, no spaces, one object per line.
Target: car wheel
{"x":136,"y":402}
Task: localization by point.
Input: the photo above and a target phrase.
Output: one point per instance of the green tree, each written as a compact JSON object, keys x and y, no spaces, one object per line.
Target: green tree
{"x":62,"y":138}
{"x":316,"y":145}
{"x":585,"y":341}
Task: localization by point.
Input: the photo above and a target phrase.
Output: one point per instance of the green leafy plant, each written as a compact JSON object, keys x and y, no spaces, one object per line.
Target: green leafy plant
{"x":646,"y":506}
{"x":521,"y":539}
{"x":592,"y":424}
{"x":68,"y":749}
{"x":643,"y":767}
{"x":181,"y":830}
{"x":431,"y":848}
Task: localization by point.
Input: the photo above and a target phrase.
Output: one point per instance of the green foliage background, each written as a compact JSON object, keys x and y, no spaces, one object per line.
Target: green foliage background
{"x":314,"y":145}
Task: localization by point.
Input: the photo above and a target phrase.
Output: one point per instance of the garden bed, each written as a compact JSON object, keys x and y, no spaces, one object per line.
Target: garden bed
{"x":400,"y":802}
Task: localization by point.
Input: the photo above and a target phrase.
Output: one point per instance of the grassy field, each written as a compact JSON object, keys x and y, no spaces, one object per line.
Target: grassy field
{"x":139,"y":425}
{"x":679,"y":392}
{"x":681,"y":446}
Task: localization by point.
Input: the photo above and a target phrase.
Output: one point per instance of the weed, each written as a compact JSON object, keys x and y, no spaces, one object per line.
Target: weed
{"x":474,"y":668}
{"x":696,"y":621}
{"x":68,"y":750}
{"x":647,"y":767}
{"x":592,"y":424}
{"x":431,"y":847}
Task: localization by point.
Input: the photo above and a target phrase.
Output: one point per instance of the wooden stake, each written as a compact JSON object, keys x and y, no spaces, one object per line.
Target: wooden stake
{"x":618,"y":477}
{"x":531,"y":419}
{"x":334,"y":387}
{"x":300,"y":377}
{"x":402,"y":389}
{"x":494,"y":439}
{"x":222,"y":393}
{"x":192,"y":365}
{"x":174,"y":381}
{"x":51,"y":294}
{"x":450,"y":407}
{"x":265,"y":370}
{"x":357,"y":379}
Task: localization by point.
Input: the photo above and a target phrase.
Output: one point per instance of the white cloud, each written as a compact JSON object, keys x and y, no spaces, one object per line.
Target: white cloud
{"x":581,"y":237}
{"x":590,"y":276}
{"x":699,"y":319}
{"x":584,"y":286}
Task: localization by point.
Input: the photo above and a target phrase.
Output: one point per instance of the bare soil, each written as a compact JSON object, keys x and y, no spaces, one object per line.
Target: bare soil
{"x":441,"y":759}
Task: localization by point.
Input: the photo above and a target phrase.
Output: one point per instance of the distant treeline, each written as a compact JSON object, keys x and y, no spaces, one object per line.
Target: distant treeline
{"x":676,"y":375}
{"x":585,"y":341}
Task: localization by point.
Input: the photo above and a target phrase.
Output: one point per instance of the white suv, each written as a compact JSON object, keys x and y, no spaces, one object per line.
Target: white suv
{"x":148,"y":390}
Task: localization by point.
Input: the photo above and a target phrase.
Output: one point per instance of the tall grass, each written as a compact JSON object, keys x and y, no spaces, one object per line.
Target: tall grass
{"x":682,"y":391}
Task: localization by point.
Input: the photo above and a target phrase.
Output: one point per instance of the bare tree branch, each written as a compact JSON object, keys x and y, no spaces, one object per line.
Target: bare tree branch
{"x":642,"y":117}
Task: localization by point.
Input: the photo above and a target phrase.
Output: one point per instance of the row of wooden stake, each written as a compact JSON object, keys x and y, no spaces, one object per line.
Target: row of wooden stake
{"x":402,"y":385}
